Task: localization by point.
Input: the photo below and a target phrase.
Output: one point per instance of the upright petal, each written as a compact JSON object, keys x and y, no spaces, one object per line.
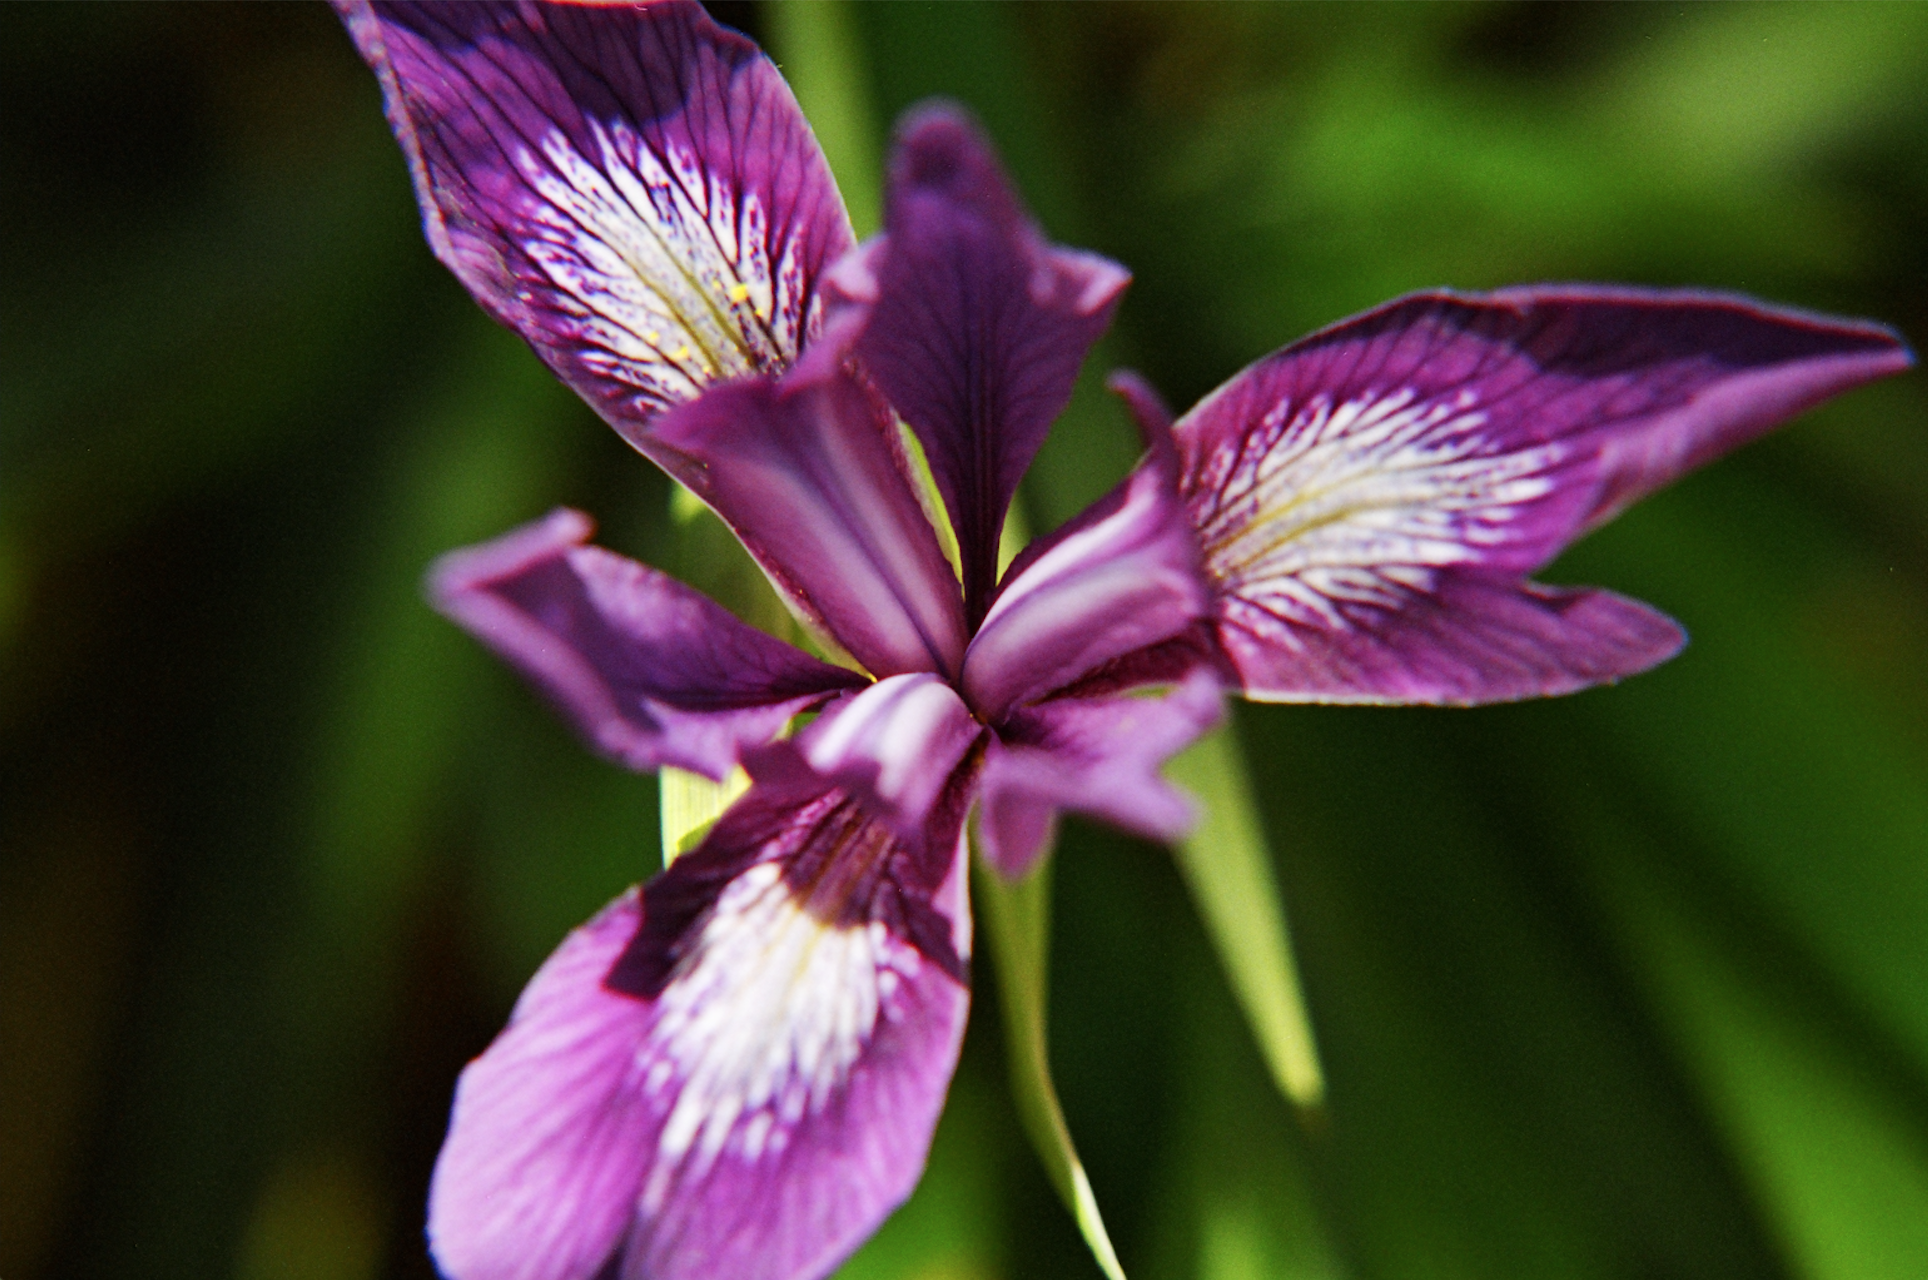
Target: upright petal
{"x":976,"y":325}
{"x":810,"y":474}
{"x":897,"y":747}
{"x":1370,"y":498}
{"x":633,"y":190}
{"x":1120,"y":577}
{"x":740,"y":1079}
{"x":648,"y":670}
{"x":1096,"y":756}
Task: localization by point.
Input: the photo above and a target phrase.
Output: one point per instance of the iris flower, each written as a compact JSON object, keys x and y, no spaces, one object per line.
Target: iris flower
{"x":735,"y":1070}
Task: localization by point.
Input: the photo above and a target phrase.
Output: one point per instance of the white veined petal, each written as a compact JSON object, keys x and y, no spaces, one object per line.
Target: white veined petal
{"x":765,"y":1018}
{"x":1362,"y":501}
{"x":670,"y":268}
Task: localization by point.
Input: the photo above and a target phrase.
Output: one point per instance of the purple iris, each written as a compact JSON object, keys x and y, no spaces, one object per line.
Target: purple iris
{"x":735,"y":1071}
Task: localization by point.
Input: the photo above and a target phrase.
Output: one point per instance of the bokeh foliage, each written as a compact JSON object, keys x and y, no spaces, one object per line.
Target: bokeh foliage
{"x":1630,"y":984}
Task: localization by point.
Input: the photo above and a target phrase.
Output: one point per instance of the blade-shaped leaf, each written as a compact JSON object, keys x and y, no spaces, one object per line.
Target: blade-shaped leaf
{"x":1017,"y":918}
{"x":1229,"y":869}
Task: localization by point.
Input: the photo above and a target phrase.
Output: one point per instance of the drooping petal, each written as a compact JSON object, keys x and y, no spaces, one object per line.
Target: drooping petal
{"x":736,"y":1075}
{"x":1096,"y":756}
{"x":1369,"y":499}
{"x":810,"y":474}
{"x":975,"y":324}
{"x":797,"y":1061}
{"x":896,"y":746}
{"x":631,"y":189}
{"x":779,"y":1026}
{"x":1121,"y":577}
{"x":650,"y":671}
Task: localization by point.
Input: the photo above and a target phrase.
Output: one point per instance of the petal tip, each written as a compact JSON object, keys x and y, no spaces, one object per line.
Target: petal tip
{"x":458,"y":573}
{"x":943,"y":154}
{"x":1104,"y":281}
{"x":940,"y":145}
{"x":1147,"y":408}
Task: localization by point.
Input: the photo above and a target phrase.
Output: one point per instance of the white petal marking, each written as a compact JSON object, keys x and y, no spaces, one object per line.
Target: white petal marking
{"x":670,"y":266}
{"x":763,"y":1021}
{"x":1327,"y":505}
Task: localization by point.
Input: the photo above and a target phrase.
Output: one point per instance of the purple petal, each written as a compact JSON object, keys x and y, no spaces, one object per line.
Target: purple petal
{"x":976,"y":325}
{"x":739,"y":1079}
{"x":1729,"y":370}
{"x":1463,"y":639}
{"x":810,"y":474}
{"x":1097,"y":756}
{"x":547,"y":1145}
{"x":796,"y":1063}
{"x":1120,"y":577}
{"x":897,"y":747}
{"x":1358,"y":491}
{"x":1167,"y":662}
{"x":648,"y":670}
{"x":633,"y":190}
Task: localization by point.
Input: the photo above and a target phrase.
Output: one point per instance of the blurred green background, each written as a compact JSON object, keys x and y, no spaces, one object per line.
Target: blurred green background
{"x":1633,"y":984}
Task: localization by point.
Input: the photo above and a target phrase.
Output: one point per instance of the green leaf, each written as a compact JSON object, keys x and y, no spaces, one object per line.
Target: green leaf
{"x":691,"y":804}
{"x":1226,"y":864}
{"x":1017,"y":918}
